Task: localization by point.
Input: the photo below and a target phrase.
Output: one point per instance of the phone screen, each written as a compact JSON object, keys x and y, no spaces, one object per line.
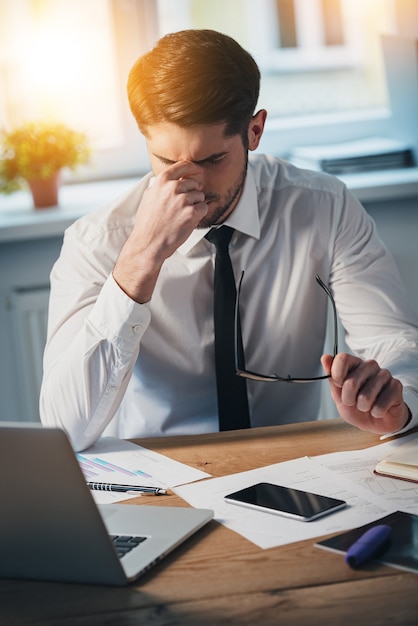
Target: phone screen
{"x":293,"y":503}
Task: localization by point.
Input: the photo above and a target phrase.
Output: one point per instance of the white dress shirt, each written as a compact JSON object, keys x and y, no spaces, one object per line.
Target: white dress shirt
{"x":116,"y":367}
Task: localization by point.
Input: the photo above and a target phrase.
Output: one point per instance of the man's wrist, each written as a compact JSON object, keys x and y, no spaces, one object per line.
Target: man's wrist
{"x":139,"y":293}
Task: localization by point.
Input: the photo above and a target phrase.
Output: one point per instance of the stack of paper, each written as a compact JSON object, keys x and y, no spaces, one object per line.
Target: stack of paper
{"x":363,"y":155}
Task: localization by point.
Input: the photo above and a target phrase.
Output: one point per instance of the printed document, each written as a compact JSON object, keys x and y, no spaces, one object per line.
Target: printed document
{"x":348,"y":475}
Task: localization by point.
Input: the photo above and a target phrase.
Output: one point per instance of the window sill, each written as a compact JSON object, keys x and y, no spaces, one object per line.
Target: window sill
{"x":19,"y":221}
{"x":384,"y":184}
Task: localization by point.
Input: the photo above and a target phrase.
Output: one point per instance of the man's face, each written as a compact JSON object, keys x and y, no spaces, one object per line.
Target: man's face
{"x":222,"y":162}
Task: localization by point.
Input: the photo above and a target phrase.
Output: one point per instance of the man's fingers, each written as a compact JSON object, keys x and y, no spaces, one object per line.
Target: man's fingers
{"x":188,"y":184}
{"x":361,"y":384}
{"x":371,"y":389}
{"x":366,"y":395}
{"x":180,"y":170}
{"x":326,"y":362}
{"x":185,"y":176}
{"x":342,"y":364}
{"x":389,"y":397}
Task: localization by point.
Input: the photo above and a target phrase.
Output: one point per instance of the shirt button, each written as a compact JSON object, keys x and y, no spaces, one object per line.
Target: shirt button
{"x":111,"y":389}
{"x":137,"y":329}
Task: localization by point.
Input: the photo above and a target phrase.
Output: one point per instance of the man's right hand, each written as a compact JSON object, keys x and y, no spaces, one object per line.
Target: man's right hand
{"x":170,"y":209}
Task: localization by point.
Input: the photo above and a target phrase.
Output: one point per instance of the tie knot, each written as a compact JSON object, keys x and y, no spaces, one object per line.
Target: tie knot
{"x":220,"y":237}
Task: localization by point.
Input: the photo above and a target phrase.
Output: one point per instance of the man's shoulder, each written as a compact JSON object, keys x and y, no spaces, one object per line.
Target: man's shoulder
{"x":117,"y":215}
{"x":277,"y":173}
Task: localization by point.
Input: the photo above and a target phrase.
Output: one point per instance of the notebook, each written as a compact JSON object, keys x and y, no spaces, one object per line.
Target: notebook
{"x":51,"y":528}
{"x":402,"y":463}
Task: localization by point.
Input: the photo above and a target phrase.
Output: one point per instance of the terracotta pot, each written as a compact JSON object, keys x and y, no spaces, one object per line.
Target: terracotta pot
{"x":45,"y":191}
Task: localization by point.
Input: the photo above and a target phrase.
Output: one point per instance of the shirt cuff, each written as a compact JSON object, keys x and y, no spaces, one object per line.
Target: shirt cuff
{"x":119,"y":319}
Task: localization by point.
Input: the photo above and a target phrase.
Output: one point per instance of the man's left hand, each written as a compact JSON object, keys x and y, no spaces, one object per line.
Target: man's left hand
{"x":366,"y":395}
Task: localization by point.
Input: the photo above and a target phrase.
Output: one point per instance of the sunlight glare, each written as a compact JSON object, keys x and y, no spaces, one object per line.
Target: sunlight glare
{"x":54,"y":60}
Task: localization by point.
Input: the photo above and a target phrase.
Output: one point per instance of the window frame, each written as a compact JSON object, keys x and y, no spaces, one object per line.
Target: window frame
{"x":137,"y":28}
{"x":312,"y":54}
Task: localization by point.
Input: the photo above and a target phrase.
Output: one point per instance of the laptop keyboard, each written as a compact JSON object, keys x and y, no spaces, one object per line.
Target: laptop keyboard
{"x":125,"y":543}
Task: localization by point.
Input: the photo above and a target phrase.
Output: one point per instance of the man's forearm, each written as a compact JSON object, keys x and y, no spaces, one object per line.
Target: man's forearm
{"x":82,"y":391}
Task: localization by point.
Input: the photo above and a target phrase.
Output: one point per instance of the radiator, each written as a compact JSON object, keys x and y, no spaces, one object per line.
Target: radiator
{"x":30,"y":315}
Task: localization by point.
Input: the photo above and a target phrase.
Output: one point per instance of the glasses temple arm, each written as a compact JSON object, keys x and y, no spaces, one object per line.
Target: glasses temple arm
{"x":334,"y":310}
{"x":238,"y":365}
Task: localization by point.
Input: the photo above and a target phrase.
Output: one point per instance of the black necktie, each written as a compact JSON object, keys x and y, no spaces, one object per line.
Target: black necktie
{"x":232,"y":391}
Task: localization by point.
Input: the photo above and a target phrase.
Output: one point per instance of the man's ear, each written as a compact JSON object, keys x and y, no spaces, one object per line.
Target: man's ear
{"x":256,"y":128}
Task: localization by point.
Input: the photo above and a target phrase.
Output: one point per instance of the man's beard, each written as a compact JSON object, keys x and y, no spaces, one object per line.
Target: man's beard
{"x":222,"y":210}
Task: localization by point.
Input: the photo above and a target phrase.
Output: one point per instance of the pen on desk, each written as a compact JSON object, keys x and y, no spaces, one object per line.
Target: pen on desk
{"x":157,"y":491}
{"x":367,"y":545}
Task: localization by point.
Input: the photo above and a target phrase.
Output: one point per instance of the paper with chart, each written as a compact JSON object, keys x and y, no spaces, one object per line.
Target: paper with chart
{"x":267,"y":530}
{"x":116,"y":461}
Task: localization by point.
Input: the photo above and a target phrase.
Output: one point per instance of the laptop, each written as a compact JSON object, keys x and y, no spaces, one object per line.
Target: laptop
{"x":51,"y":528}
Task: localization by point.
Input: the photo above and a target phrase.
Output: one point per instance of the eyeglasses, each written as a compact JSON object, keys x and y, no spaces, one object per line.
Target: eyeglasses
{"x":239,"y":356}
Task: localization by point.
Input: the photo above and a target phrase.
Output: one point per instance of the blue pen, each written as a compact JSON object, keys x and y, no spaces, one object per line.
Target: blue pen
{"x":367,"y":545}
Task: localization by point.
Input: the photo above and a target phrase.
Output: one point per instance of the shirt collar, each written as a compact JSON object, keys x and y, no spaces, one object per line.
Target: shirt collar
{"x":244,"y":217}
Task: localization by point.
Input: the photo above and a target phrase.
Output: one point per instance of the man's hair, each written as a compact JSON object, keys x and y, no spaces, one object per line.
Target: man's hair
{"x":195,"y":77}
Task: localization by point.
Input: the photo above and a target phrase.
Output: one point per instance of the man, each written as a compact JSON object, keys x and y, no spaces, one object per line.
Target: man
{"x":130,"y":348}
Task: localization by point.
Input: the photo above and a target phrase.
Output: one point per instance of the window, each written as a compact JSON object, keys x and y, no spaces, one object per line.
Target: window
{"x":315,"y":55}
{"x":55,"y":64}
{"x":303,"y":36}
{"x":69,"y":59}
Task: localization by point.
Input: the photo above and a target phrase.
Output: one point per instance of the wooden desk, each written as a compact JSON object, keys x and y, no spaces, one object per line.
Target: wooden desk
{"x":217,"y":576}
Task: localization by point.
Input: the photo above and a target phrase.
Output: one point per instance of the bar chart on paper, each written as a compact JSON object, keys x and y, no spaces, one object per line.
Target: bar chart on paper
{"x":96,"y":466}
{"x":117,"y":461}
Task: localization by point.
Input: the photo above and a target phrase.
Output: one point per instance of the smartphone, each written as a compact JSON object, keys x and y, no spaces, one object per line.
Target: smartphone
{"x":293,"y":503}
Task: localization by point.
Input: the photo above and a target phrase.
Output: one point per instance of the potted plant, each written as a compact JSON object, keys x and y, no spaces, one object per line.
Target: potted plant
{"x":35,"y":153}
